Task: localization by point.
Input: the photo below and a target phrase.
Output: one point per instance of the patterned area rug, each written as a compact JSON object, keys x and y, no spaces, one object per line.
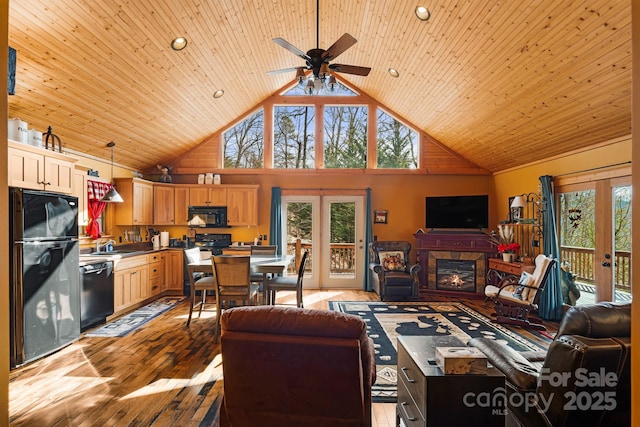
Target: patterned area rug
{"x":125,"y":324}
{"x":386,"y":321}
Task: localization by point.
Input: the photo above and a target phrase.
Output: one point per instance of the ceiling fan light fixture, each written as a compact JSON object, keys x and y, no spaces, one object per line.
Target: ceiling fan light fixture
{"x":333,"y":84}
{"x":423,"y":13}
{"x":309,"y":88}
{"x":393,"y":72}
{"x":324,"y":70}
{"x":300,"y":76}
{"x":178,"y":43}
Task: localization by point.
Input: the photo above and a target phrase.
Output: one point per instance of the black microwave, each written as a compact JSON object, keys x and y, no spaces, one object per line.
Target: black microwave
{"x":208,"y":216}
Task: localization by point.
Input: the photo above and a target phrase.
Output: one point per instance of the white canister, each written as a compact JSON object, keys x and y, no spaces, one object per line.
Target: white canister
{"x":18,"y":130}
{"x":201,"y":178}
{"x":216,"y":179}
{"x":35,"y":138}
{"x":208,"y":179}
{"x":164,"y":239}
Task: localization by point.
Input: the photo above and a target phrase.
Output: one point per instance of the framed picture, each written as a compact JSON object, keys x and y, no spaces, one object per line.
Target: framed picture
{"x":515,"y":214}
{"x":380,"y":217}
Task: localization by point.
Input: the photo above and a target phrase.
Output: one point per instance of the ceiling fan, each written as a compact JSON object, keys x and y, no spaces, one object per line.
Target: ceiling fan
{"x":317,"y":60}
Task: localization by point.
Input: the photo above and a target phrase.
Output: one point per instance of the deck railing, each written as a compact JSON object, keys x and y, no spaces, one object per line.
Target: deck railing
{"x":342,"y":255}
{"x":582,"y":261}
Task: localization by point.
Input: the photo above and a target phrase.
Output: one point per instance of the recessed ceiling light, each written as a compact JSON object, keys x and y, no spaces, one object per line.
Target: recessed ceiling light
{"x":178,"y":43}
{"x":393,"y":72}
{"x":423,"y":13}
{"x":218,"y":94}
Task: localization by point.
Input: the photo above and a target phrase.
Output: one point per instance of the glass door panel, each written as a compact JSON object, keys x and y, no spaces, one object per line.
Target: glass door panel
{"x":622,"y":243}
{"x":343,"y":232}
{"x":595,"y":240}
{"x":577,"y":243}
{"x":301,"y":218}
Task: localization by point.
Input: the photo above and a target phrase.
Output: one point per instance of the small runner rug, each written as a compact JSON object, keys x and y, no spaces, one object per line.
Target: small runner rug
{"x":385,"y":321}
{"x":128,"y":323}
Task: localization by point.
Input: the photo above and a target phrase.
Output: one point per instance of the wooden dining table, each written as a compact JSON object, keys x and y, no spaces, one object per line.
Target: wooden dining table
{"x":261,"y":264}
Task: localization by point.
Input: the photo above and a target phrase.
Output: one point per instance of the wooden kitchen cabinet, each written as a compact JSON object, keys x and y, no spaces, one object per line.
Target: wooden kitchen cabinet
{"x":164,"y":211}
{"x":137,"y":208}
{"x":242,"y":206}
{"x":181,"y":205}
{"x":38,"y":169}
{"x":156,"y":272}
{"x":130,"y":282}
{"x":207,"y":196}
{"x":174,"y":273}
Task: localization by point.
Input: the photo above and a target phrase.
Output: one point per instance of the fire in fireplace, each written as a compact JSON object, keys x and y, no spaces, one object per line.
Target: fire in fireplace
{"x":456,"y":275}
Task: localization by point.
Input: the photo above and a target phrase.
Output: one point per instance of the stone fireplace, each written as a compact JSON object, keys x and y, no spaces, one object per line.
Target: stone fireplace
{"x":455,"y":275}
{"x":453,"y":263}
{"x":456,"y":271}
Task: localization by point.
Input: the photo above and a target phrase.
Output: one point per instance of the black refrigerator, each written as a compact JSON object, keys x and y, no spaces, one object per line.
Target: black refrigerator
{"x":45,"y":279}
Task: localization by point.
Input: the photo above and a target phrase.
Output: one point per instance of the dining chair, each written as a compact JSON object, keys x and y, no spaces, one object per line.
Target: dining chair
{"x":290,"y":283}
{"x":262,"y":250}
{"x":232,"y":275}
{"x":198,"y":281}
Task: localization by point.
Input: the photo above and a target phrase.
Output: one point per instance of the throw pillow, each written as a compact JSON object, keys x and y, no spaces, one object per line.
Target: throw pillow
{"x":525,"y":279}
{"x":392,"y":261}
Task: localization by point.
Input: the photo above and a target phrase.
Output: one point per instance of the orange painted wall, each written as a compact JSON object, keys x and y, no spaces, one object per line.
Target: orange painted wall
{"x":525,"y":179}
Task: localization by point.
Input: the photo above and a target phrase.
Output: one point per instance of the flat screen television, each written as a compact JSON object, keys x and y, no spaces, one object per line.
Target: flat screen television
{"x":457,"y":212}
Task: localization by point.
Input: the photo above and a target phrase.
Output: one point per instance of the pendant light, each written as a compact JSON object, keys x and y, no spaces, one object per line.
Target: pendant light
{"x":112,"y":195}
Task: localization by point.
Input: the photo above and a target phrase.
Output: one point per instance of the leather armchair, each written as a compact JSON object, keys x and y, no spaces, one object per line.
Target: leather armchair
{"x":290,"y":366}
{"x":394,"y":277}
{"x":584,"y":379}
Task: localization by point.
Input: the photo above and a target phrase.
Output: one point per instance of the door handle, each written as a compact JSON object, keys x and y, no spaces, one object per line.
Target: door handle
{"x":606,"y":264}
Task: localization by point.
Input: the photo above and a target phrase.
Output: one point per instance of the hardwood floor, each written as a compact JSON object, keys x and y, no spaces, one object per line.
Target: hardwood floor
{"x":162,"y":374}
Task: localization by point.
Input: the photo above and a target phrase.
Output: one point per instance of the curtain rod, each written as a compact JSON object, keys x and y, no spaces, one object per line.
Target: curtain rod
{"x":594,"y":169}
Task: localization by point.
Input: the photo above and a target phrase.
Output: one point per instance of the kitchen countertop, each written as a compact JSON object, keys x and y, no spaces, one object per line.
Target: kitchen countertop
{"x":118,"y":254}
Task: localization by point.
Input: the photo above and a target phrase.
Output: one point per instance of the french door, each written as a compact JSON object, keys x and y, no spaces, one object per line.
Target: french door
{"x":331,"y":227}
{"x":595,"y":237}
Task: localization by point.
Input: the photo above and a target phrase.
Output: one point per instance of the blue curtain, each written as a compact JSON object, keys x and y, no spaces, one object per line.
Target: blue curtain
{"x":275,"y":221}
{"x":551,"y":299}
{"x":368,"y":238}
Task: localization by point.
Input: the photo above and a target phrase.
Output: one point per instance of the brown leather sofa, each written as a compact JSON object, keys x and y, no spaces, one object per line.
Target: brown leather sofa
{"x":394,"y":278}
{"x":289,"y":366}
{"x":584,"y":379}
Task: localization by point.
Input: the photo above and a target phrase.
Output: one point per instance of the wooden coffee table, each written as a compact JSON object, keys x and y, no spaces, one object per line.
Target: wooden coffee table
{"x":428,"y":397}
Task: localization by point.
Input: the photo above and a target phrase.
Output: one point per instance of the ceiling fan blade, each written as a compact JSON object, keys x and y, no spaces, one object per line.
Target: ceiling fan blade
{"x":291,"y":48}
{"x":284,"y":70}
{"x":342,"y":44}
{"x":350,"y":69}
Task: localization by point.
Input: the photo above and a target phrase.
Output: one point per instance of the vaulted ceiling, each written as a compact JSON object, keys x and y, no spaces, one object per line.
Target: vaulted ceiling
{"x":500,"y":83}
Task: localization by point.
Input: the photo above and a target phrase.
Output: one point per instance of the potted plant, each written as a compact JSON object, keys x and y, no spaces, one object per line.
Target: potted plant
{"x":503,"y":240}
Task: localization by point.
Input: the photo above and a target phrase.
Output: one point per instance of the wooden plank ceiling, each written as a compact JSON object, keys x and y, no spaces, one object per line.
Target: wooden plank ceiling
{"x":502,"y":83}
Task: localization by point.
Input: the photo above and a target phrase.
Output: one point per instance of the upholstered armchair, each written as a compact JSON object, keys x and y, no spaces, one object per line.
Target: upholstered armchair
{"x":394,"y":277}
{"x":584,"y":379}
{"x":295,"y":367}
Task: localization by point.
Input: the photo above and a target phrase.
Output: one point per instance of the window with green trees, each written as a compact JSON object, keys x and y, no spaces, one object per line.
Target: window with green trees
{"x":345,"y":137}
{"x":341,"y":134}
{"x":397,"y":144}
{"x":293,"y":137}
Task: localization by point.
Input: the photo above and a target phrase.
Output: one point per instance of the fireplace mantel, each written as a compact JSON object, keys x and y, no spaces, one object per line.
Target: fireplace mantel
{"x":469,"y":246}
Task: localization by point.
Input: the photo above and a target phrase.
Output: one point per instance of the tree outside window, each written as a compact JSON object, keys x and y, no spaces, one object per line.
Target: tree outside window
{"x":345,"y":137}
{"x":293,"y":139}
{"x":397,"y":144}
{"x":244,"y":143}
